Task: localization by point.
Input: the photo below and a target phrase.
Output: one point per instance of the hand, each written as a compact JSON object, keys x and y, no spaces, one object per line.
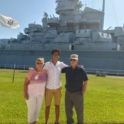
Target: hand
{"x":81,"y":66}
{"x":83,"y":92}
{"x":31,"y":68}
{"x":26,"y":96}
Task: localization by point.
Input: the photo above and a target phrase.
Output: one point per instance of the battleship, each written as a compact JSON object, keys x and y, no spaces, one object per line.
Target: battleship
{"x":74,"y":31}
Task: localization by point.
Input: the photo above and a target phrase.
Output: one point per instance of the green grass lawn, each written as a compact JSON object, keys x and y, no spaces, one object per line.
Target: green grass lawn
{"x":104,"y":100}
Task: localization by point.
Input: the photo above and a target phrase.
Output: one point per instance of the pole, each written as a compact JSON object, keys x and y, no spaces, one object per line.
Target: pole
{"x":13,"y":73}
{"x":103,"y":14}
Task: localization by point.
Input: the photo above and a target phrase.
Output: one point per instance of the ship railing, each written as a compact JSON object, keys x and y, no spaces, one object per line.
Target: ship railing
{"x":105,"y":71}
{"x":12,"y":66}
{"x":88,"y":70}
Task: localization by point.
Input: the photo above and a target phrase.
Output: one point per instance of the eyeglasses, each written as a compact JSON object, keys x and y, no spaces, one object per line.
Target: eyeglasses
{"x":39,"y":63}
{"x":72,"y":60}
{"x":55,"y":54}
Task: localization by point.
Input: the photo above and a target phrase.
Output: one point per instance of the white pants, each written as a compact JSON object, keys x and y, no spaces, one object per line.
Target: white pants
{"x":34,"y":105}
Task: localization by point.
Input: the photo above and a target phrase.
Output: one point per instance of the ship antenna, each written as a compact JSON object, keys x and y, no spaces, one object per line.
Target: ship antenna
{"x":103,"y":14}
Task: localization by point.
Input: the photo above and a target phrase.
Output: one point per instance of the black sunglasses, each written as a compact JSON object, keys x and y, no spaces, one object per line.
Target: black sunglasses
{"x":39,"y":63}
{"x":72,"y":60}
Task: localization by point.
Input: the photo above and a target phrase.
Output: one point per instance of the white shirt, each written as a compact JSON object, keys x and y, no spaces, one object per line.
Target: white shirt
{"x":54,"y":73}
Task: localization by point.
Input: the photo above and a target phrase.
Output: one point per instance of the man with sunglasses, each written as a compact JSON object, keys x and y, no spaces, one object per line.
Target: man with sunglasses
{"x":53,"y":85}
{"x":76,"y":85}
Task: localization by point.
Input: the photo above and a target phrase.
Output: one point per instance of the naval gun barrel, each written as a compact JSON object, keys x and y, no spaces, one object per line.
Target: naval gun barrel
{"x":107,"y":31}
{"x":109,"y":28}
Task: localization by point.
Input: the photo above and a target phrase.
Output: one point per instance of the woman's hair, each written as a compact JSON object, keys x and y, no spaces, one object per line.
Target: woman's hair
{"x":40,"y":59}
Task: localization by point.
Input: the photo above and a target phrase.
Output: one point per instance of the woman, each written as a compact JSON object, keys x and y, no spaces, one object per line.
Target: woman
{"x":34,"y":88}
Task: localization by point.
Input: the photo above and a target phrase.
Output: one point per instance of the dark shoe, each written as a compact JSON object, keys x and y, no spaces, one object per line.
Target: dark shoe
{"x":47,"y":123}
{"x":57,"y":123}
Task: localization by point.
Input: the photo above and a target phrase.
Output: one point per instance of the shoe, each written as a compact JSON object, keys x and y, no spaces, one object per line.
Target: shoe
{"x":57,"y":123}
{"x":46,"y":123}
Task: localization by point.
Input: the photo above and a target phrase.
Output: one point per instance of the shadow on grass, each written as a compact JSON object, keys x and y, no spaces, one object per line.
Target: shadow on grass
{"x":74,"y":123}
{"x":24,"y":71}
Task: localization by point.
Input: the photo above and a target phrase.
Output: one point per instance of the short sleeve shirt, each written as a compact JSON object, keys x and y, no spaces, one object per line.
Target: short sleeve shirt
{"x":54,"y":73}
{"x":37,"y":82}
{"x":74,"y":78}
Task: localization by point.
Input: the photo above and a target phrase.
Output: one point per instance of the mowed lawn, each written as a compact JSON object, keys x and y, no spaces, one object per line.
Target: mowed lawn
{"x":104,"y":100}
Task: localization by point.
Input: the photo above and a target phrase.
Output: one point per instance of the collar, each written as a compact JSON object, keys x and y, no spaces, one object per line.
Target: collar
{"x":56,"y":63}
{"x":75,"y":68}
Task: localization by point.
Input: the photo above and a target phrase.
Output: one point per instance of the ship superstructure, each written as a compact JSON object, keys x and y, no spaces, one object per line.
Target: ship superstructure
{"x":75,"y":30}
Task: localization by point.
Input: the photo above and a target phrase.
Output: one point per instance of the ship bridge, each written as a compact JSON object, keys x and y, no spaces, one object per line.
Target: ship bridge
{"x":53,"y":21}
{"x":63,"y":8}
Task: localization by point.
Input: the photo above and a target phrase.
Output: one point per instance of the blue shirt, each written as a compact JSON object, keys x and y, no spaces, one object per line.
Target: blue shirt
{"x":74,"y":78}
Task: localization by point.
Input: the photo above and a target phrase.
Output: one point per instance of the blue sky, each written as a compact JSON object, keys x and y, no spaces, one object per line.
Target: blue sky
{"x":28,"y":11}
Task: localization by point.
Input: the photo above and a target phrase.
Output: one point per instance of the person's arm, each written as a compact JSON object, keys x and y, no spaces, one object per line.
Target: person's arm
{"x":30,"y":68}
{"x":63,"y":65}
{"x":45,"y":67}
{"x":85,"y":84}
{"x":26,"y":88}
{"x":26,"y":82}
{"x":81,"y":66}
{"x":46,"y":73}
{"x":64,"y":70}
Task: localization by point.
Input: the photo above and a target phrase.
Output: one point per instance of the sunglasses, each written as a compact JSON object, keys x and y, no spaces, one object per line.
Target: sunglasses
{"x":55,"y":54}
{"x":72,"y":60}
{"x":39,"y":63}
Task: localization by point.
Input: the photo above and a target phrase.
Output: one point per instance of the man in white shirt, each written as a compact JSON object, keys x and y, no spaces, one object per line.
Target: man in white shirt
{"x":53,"y":86}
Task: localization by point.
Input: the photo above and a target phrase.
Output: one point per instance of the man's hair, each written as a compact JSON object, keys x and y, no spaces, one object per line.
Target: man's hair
{"x":55,"y":50}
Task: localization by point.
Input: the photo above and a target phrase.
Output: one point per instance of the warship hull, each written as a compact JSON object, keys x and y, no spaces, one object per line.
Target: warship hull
{"x":91,"y":60}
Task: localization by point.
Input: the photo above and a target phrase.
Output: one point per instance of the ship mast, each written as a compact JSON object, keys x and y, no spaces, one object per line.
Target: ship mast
{"x":103,"y":14}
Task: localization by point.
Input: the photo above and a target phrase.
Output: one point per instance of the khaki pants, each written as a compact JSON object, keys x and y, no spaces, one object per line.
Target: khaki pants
{"x":74,"y":100}
{"x":50,"y":93}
